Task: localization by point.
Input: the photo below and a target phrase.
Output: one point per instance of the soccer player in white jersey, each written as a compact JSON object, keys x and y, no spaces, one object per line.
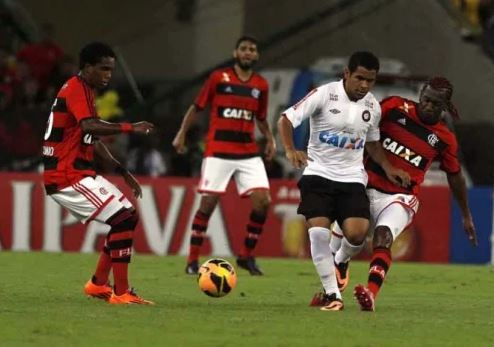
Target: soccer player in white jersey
{"x":420,"y":128}
{"x":344,"y":119}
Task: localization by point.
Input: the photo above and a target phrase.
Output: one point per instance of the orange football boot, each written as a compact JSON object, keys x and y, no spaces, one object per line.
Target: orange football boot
{"x":342,"y":275}
{"x":127,"y":298}
{"x":332,"y":303}
{"x":101,"y":292}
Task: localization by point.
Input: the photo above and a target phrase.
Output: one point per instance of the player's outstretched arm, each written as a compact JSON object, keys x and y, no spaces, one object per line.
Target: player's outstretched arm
{"x":397,"y":176}
{"x":459,"y":188}
{"x":285,"y":128}
{"x":103,"y":155}
{"x":96,"y":126}
{"x":189,"y":119}
{"x":265,"y":129}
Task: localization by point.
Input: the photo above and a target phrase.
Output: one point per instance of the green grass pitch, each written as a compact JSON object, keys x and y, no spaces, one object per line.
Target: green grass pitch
{"x":42,"y":304}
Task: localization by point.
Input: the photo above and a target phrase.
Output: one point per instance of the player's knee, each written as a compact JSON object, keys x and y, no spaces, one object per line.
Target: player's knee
{"x":356,"y":235}
{"x":208,"y":205}
{"x":383,"y":238}
{"x":262,"y":202}
{"x":124,"y":220}
{"x":355,"y":231}
{"x":356,"y":238}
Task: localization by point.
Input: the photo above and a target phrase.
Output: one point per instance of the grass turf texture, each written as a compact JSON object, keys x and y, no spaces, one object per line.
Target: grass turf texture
{"x":42,"y":304}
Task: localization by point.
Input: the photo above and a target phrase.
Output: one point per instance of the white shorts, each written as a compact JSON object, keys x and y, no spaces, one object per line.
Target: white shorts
{"x":395,"y":211}
{"x":92,"y":199}
{"x":249,"y":174}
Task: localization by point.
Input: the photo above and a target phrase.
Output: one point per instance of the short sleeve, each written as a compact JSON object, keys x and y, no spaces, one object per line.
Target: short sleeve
{"x":80,"y":103}
{"x":373,"y":134}
{"x":449,"y":158}
{"x":206,"y":93}
{"x":263,"y":104}
{"x":305,"y":108}
{"x":388,"y":104}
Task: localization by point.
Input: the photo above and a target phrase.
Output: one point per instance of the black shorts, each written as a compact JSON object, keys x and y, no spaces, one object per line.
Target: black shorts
{"x":320,"y":197}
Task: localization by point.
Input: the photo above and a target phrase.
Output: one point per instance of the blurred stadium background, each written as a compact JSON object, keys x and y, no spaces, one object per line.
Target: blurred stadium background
{"x":165,"y":51}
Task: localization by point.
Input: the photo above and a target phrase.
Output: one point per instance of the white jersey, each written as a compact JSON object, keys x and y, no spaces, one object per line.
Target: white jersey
{"x":339,"y":129}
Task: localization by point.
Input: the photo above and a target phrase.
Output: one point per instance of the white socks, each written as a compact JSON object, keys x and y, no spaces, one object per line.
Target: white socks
{"x":336,"y":237}
{"x":347,"y":251}
{"x":323,"y":259}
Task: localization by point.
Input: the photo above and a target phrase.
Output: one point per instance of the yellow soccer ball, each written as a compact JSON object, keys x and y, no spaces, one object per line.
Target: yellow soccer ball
{"x":217,"y":277}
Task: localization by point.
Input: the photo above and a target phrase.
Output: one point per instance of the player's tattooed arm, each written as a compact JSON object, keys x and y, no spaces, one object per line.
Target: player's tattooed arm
{"x":103,"y":155}
{"x":395,"y":175}
{"x":459,"y":189}
{"x":96,"y":126}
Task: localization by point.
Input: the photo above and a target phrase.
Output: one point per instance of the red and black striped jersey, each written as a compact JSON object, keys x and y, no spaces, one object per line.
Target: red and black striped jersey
{"x":234,"y":106}
{"x":68,"y":153}
{"x":411,"y":145}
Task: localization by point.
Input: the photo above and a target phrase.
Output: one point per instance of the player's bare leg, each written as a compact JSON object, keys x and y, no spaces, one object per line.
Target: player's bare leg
{"x":199,"y":228}
{"x":261,"y":200}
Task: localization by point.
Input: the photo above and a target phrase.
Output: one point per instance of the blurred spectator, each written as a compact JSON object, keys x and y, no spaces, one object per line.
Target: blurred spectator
{"x":8,"y":77}
{"x":146,"y":160}
{"x":63,"y":71}
{"x":190,"y":163}
{"x":486,"y":19}
{"x":20,"y":138}
{"x":43,"y":56}
{"x":107,"y":106}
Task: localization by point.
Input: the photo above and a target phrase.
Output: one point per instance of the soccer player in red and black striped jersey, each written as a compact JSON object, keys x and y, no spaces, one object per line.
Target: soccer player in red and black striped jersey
{"x":70,"y":149}
{"x":413,"y":135}
{"x":238,"y":97}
